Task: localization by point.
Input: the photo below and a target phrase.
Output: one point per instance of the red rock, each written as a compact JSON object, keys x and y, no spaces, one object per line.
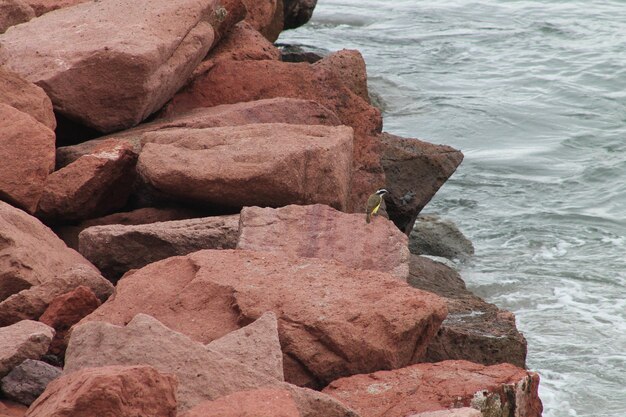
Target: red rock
{"x":414,"y":170}
{"x":456,"y":412}
{"x":91,"y":186}
{"x":261,"y":164}
{"x":255,"y":345}
{"x":319,"y":231}
{"x":30,"y":253}
{"x":126,"y":60}
{"x":45,"y":6}
{"x":254,"y":403}
{"x":333,"y":320}
{"x":266,"y":16}
{"x":11,"y":409}
{"x":349,"y":66}
{"x":14,"y":12}
{"x":27,"y":97}
{"x":65,"y":311}
{"x":203,"y":373}
{"x":131,"y":391}
{"x":27,"y":153}
{"x":498,"y":390}
{"x":31,"y":303}
{"x":297,"y":12}
{"x":240,"y":81}
{"x":116,"y":249}
{"x":26,"y":339}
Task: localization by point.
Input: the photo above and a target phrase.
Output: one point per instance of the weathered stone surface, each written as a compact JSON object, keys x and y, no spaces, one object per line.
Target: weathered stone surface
{"x":30,"y":253}
{"x":14,"y":12}
{"x":27,"y":154}
{"x":28,"y":380}
{"x":26,"y":339}
{"x":45,"y":6}
{"x":32,"y":302}
{"x":275,"y":110}
{"x":414,"y":170}
{"x":266,"y":16}
{"x":333,"y":320}
{"x":456,"y":412}
{"x":297,"y":12}
{"x":349,"y":66}
{"x":91,"y":186}
{"x":12,"y":409}
{"x":319,"y":231}
{"x":255,"y":345}
{"x":474,"y":330}
{"x":498,"y":390}
{"x":260,"y":402}
{"x":301,"y":53}
{"x":260,"y":164}
{"x":239,"y":81}
{"x":65,"y":311}
{"x":109,"y":391}
{"x":126,"y":60}
{"x":203,"y":373}
{"x":432,"y":235}
{"x":116,"y":249}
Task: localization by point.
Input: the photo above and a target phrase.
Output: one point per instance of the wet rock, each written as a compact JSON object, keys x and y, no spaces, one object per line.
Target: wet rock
{"x":65,"y":311}
{"x":116,"y":249}
{"x":276,"y":110}
{"x":432,"y":235}
{"x":300,"y":53}
{"x":109,"y":391}
{"x":30,"y":253}
{"x":26,"y":97}
{"x":91,"y":186}
{"x":259,"y":402}
{"x":240,"y":81}
{"x":474,"y":330}
{"x":27,"y":154}
{"x":297,"y":12}
{"x":319,"y":231}
{"x":498,"y":390}
{"x":31,"y":303}
{"x":125,"y":62}
{"x":28,"y":380}
{"x":255,"y":345}
{"x":414,"y":170}
{"x":333,"y":320}
{"x":26,"y":339}
{"x":266,"y":16}
{"x":261,"y":164}
{"x":14,"y":12}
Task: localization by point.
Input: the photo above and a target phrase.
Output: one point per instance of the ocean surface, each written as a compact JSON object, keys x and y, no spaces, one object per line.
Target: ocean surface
{"x":534,"y":94}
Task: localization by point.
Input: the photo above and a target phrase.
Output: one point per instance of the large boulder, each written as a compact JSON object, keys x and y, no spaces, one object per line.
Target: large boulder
{"x":93,"y":185}
{"x":275,"y":110}
{"x":28,"y":380}
{"x":499,"y":390}
{"x":259,"y":402}
{"x":319,"y":231}
{"x":333,"y":320}
{"x":109,"y":391}
{"x":30,"y":253}
{"x":27,"y":97}
{"x":32,"y":302}
{"x":261,"y":164}
{"x":116,"y":249}
{"x":297,"y":12}
{"x":26,"y":339}
{"x":433,"y":235}
{"x":239,"y":81}
{"x":14,"y":12}
{"x":266,"y":16}
{"x":203,"y":373}
{"x":474,"y":330}
{"x":414,"y":171}
{"x":27,"y":154}
{"x":110,"y":64}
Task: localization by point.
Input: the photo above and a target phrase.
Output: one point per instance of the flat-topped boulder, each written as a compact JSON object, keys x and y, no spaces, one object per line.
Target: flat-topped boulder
{"x":110,"y":64}
{"x":261,"y":164}
{"x":333,"y":320}
{"x":319,"y":231}
{"x":498,"y":390}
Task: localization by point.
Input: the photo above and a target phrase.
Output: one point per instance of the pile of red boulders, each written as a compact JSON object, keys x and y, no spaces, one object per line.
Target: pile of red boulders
{"x":182,"y":228}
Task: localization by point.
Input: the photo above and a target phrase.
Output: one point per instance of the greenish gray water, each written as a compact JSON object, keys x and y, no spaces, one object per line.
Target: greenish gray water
{"x":534,"y":94}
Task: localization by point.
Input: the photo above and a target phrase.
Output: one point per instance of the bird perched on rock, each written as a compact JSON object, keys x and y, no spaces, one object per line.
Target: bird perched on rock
{"x":373,"y":204}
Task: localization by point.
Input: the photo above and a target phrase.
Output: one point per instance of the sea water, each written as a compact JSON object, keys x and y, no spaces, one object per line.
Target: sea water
{"x":534,"y":94}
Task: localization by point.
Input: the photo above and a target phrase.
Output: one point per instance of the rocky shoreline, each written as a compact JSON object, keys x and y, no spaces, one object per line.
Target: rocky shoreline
{"x":182,"y":228}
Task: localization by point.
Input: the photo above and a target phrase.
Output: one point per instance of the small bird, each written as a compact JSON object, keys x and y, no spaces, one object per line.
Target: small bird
{"x":373,"y":204}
